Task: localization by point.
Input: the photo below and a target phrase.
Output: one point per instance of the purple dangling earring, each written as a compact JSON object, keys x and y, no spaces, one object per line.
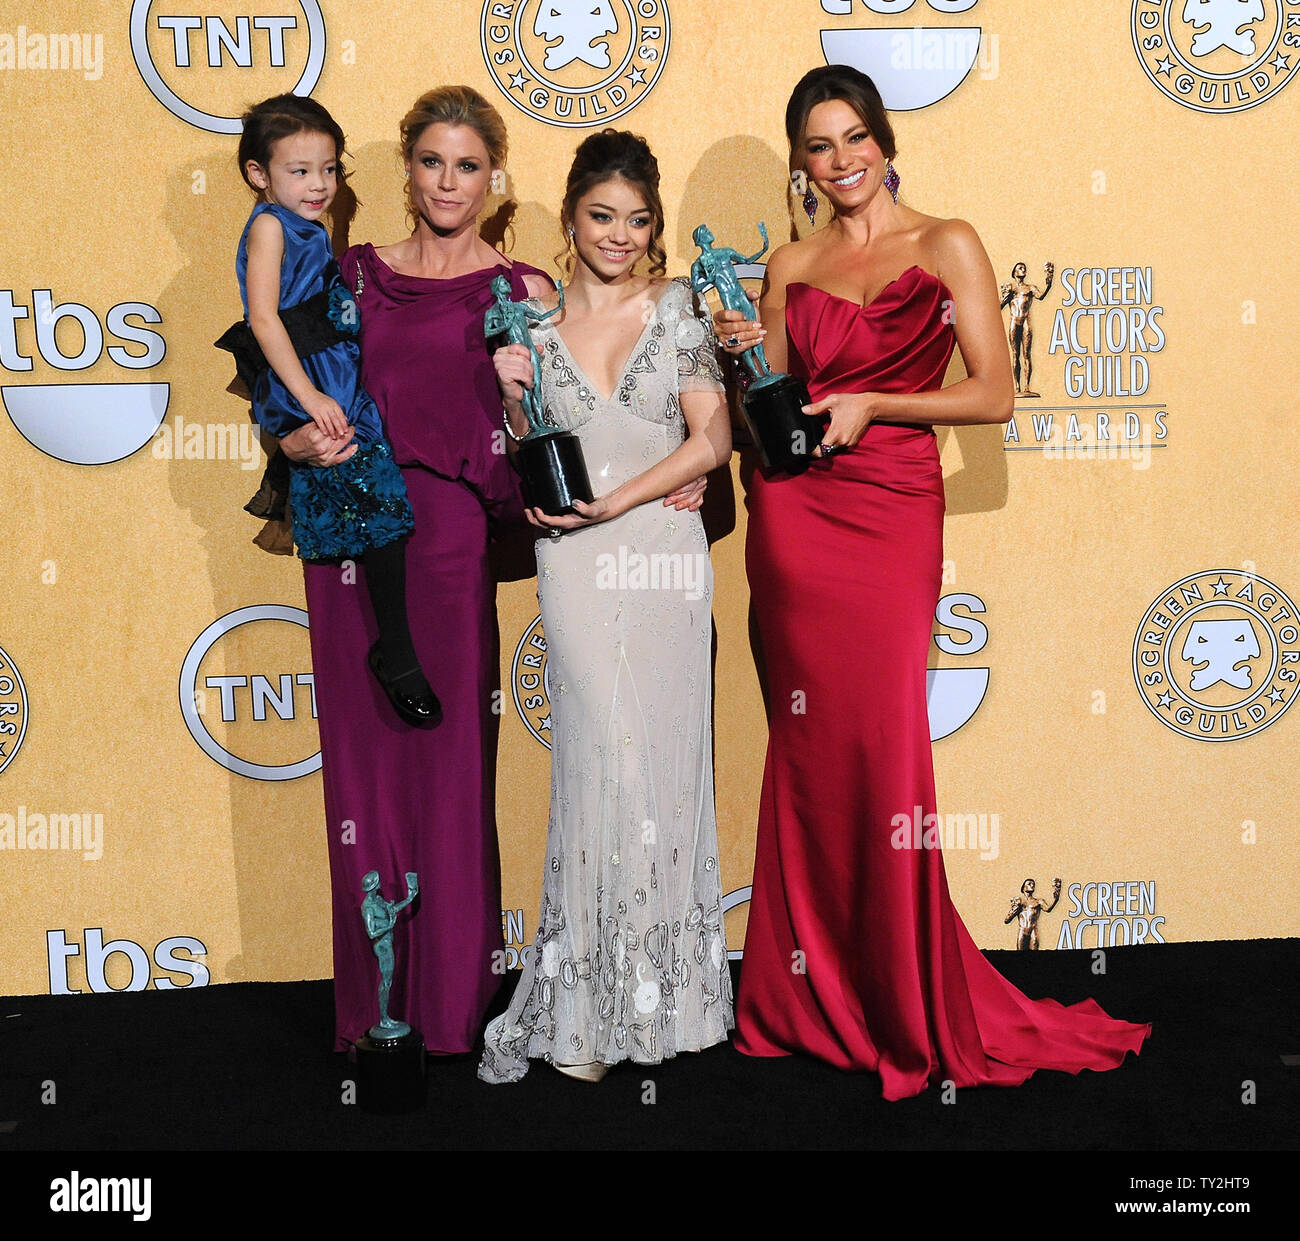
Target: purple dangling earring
{"x":799,"y":183}
{"x":810,"y":205}
{"x":892,"y":179}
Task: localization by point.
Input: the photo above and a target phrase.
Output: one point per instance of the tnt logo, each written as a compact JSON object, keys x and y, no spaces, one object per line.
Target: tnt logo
{"x":204,"y":66}
{"x":81,"y":423}
{"x":248,"y":696}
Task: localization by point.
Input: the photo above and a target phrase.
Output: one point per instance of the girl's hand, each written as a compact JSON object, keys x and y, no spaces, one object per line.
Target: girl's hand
{"x":327,"y":414}
{"x":514,"y":372}
{"x":312,"y":446}
{"x":689,"y":497}
{"x":851,"y":414}
{"x":731,"y":325}
{"x":600,"y":509}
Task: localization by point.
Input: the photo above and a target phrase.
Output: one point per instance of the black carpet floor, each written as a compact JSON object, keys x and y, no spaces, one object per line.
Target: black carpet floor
{"x":245,"y":1067}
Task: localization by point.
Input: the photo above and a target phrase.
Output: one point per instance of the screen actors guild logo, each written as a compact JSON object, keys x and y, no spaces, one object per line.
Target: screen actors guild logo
{"x":1217,"y":655}
{"x":1111,"y":914}
{"x":1108,"y":327}
{"x":575,"y":62}
{"x":13,"y":710}
{"x":530,"y":684}
{"x":1217,"y":55}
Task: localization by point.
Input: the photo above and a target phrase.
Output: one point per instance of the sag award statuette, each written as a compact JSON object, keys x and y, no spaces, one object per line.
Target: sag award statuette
{"x":390,"y":1055}
{"x":773,"y":403}
{"x":549,"y":459}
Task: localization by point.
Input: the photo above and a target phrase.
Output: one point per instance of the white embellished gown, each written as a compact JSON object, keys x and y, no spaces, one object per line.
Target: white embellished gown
{"x":629,"y":961}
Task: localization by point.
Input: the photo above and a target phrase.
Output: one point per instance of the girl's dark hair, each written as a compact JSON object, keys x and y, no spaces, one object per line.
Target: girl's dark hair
{"x":280,"y":116}
{"x":837,"y":82}
{"x":617,"y":153}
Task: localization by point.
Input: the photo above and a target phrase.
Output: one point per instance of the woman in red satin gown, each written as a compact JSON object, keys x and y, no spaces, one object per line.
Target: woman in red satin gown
{"x":854,"y":952}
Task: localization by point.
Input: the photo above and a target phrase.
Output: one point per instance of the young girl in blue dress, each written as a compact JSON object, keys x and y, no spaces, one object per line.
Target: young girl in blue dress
{"x":297,"y":351}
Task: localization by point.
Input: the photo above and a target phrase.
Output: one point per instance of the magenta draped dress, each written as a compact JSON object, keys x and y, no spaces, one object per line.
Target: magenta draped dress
{"x":400,"y":799}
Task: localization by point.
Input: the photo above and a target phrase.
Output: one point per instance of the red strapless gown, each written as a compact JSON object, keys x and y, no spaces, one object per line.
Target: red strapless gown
{"x":844,"y":569}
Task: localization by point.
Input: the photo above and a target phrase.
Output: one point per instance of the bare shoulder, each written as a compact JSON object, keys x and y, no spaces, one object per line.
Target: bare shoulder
{"x":955,"y":245}
{"x":266,"y":227}
{"x":786,"y":262}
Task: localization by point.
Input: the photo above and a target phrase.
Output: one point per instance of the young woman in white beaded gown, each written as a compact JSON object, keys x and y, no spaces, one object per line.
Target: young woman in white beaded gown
{"x":629,"y":960}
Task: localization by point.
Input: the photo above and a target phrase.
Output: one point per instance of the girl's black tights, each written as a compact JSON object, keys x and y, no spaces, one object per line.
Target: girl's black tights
{"x":386,"y":582}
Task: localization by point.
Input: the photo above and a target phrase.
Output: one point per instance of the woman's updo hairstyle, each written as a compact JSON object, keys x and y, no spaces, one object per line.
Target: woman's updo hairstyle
{"x":610,"y":154}
{"x":844,"y":83}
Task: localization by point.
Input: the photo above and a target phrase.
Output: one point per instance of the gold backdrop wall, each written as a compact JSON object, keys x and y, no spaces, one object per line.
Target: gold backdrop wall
{"x":161,"y":818}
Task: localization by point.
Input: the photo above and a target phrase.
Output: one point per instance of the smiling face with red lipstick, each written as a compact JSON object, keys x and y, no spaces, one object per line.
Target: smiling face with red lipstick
{"x":301,"y":173}
{"x":842,"y":157}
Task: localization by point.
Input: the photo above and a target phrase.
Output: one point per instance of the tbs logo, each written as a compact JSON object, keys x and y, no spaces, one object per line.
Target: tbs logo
{"x":197,"y":65}
{"x":86,"y":423}
{"x":912,"y":66}
{"x":953,"y":695}
{"x":98,"y":953}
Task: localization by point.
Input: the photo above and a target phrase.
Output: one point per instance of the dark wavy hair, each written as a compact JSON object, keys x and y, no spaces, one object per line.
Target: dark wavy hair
{"x":837,"y":82}
{"x":279,"y":117}
{"x":604,"y":156}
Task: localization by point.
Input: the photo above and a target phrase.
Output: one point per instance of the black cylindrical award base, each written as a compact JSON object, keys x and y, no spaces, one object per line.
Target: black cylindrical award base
{"x":391,"y":1074}
{"x":785,"y":435}
{"x":554,"y":472}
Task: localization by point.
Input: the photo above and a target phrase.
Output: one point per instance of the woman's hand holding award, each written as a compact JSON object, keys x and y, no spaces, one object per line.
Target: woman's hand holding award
{"x":773,"y":403}
{"x":550,"y":460}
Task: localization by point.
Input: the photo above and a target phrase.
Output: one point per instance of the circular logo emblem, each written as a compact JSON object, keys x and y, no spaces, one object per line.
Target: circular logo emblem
{"x":1216,"y":55}
{"x":575,"y":62}
{"x":248,"y":696}
{"x":272,"y":48}
{"x":1217,"y":655}
{"x":13,"y":709}
{"x":529,"y":683}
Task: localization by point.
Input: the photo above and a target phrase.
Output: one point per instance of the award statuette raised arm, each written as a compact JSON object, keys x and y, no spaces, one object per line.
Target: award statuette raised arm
{"x":550,"y":460}
{"x":391,"y":1074}
{"x":773,"y":402}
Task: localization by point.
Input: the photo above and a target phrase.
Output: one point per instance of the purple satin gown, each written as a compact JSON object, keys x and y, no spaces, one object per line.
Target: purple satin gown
{"x":397,"y":798}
